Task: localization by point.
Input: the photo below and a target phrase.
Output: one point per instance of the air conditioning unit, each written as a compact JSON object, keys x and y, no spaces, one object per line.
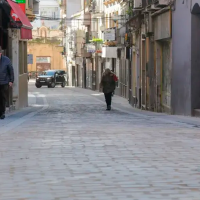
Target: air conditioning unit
{"x":161,"y":2}
{"x":137,"y":4}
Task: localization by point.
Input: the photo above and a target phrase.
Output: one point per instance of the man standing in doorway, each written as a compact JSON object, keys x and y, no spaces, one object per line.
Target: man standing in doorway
{"x":6,"y":81}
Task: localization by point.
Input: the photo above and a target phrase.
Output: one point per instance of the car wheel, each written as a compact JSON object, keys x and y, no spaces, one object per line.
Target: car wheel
{"x":38,"y":85}
{"x":63,"y":84}
{"x":49,"y":86}
{"x":53,"y":85}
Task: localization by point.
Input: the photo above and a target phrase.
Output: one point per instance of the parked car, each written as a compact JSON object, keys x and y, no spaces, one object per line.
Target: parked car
{"x":51,"y":78}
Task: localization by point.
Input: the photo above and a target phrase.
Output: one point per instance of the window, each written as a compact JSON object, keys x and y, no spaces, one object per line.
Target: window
{"x":43,"y":32}
{"x":61,"y":72}
{"x":49,"y":73}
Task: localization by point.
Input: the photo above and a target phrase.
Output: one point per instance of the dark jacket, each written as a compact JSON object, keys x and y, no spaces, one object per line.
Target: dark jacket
{"x":6,"y":71}
{"x":108,"y":83}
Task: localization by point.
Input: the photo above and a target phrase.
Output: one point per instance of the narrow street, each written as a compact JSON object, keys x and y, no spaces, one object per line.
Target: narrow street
{"x":66,"y":146}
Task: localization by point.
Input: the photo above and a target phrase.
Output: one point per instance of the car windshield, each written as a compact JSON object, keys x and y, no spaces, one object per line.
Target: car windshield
{"x":49,"y":73}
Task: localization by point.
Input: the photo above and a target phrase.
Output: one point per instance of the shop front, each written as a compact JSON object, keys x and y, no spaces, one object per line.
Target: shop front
{"x":14,"y":33}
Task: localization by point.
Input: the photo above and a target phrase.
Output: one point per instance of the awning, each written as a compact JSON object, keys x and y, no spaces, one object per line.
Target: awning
{"x":18,"y":15}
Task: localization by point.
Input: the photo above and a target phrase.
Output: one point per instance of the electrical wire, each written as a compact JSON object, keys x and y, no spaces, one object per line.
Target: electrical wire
{"x":72,"y":19}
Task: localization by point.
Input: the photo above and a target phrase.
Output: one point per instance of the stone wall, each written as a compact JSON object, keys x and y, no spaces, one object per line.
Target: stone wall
{"x":46,"y":50}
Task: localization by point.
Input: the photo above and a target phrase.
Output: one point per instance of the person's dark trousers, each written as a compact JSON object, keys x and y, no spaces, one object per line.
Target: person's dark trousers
{"x":108,"y":97}
{"x":3,"y":97}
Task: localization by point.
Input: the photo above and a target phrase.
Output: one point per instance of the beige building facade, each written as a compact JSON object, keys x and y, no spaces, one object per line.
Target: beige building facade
{"x":47,"y":50}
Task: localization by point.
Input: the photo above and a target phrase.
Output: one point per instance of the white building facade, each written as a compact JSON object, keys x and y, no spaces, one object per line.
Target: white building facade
{"x":49,"y":9}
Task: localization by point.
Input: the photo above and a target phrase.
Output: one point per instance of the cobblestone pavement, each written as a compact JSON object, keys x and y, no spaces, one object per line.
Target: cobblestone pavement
{"x":67,"y":147}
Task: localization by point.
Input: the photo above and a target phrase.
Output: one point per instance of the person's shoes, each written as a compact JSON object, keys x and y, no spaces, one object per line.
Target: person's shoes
{"x":2,"y":116}
{"x":108,"y":108}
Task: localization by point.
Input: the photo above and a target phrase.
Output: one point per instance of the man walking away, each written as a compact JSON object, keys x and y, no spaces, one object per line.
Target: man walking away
{"x":108,"y":85}
{"x":6,"y":81}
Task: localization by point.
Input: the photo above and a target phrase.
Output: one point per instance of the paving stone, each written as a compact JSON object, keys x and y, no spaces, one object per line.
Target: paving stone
{"x":74,"y":149}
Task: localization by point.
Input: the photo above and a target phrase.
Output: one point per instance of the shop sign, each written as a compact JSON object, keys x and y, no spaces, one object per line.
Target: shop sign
{"x":20,"y":1}
{"x":43,"y":59}
{"x":109,"y":52}
{"x":91,"y":48}
{"x":109,"y":34}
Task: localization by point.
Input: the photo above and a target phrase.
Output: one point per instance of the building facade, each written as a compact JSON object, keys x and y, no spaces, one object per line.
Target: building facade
{"x":49,"y":9}
{"x":15,"y":31}
{"x":47,"y":50}
{"x":186,"y":58}
{"x":142,"y":42}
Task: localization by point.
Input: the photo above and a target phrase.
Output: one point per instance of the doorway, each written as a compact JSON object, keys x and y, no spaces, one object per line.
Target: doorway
{"x":195,"y":62}
{"x":166,"y":76}
{"x":73,"y":76}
